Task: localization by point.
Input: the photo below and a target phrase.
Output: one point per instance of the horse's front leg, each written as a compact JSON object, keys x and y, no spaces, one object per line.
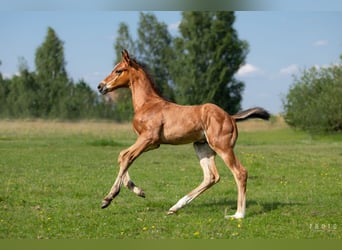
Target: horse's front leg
{"x":126,"y":158}
{"x":127,"y":182}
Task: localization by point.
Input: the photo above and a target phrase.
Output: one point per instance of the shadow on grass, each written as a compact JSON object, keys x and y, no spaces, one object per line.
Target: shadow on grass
{"x":253,"y":207}
{"x":105,"y":142}
{"x":273,"y":205}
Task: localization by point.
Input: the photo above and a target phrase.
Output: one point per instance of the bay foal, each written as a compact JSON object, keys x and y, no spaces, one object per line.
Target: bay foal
{"x":157,"y":121}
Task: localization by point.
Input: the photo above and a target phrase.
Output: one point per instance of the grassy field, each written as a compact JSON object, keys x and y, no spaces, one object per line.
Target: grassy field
{"x":54,"y":175}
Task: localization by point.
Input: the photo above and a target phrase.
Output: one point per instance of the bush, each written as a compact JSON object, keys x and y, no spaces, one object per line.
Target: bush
{"x":314,"y":101}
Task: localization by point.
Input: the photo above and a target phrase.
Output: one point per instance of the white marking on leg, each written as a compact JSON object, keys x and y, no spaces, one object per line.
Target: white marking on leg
{"x":210,"y":177}
{"x":181,"y":203}
{"x":237,"y":215}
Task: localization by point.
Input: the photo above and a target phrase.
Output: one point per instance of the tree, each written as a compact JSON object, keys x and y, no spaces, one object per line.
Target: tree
{"x":123,"y":41}
{"x":22,"y":97}
{"x":48,"y":93}
{"x":51,"y":74}
{"x":122,"y":98}
{"x":79,"y":103}
{"x":155,"y":51}
{"x":4,"y":90}
{"x":313,"y":102}
{"x":49,"y":60}
{"x":154,"y":48}
{"x":209,"y":53}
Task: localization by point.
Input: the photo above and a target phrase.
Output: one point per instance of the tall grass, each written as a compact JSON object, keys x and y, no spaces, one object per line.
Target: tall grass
{"x":54,"y":175}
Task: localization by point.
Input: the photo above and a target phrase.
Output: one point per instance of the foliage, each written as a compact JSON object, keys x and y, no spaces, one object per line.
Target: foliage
{"x":313,"y":102}
{"x":155,"y":50}
{"x":51,"y":74}
{"x":26,"y":103}
{"x":54,"y":176}
{"x":193,"y":68}
{"x":123,"y":100}
{"x":199,"y":65}
{"x":49,"y":60}
{"x":48,"y":92}
{"x":4,"y":90}
{"x":209,"y":53}
{"x":123,"y":41}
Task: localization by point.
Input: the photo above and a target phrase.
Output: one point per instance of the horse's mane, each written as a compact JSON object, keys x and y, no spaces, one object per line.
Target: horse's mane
{"x":145,"y":68}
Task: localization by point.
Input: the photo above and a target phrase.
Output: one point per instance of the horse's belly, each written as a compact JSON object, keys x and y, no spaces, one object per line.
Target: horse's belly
{"x":182,"y":137}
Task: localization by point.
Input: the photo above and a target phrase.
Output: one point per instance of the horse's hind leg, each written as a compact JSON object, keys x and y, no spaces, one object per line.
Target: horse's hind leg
{"x":221,"y":137}
{"x":210,"y":175}
{"x":240,"y":176}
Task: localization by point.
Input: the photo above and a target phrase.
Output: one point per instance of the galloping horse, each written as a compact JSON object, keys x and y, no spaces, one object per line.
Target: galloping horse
{"x":157,"y":121}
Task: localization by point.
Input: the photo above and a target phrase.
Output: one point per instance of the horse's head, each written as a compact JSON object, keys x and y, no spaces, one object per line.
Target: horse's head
{"x":119,"y":77}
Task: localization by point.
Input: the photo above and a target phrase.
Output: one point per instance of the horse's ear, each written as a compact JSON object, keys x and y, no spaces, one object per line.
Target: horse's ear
{"x":125,"y":55}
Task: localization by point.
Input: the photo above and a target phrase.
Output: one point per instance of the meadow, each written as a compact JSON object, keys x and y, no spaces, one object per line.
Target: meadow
{"x":54,"y":175}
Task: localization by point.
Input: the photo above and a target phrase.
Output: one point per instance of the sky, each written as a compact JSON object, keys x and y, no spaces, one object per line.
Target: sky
{"x":282,"y":43}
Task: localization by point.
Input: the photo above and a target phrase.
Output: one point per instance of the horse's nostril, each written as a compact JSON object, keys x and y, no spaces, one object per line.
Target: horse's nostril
{"x":102,"y":88}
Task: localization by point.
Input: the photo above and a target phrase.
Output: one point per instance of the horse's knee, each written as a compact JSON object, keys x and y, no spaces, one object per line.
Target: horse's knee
{"x":121,"y":155}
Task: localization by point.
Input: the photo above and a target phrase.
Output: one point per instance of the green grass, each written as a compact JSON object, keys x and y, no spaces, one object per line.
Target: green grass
{"x":54,"y":175}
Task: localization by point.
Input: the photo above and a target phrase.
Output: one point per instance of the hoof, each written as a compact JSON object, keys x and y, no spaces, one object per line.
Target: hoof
{"x":105,"y":203}
{"x":235,"y":216}
{"x":142,"y":194}
{"x":170,"y":212}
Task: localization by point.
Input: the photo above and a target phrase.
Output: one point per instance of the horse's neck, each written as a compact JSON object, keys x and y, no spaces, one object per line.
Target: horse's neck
{"x":142,"y":92}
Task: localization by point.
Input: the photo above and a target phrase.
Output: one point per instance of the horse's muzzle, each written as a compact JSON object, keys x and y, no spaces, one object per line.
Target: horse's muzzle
{"x":102,"y":88}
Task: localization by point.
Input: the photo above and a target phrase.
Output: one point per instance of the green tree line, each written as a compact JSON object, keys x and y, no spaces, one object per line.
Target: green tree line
{"x":48,"y":92}
{"x":196,"y":66}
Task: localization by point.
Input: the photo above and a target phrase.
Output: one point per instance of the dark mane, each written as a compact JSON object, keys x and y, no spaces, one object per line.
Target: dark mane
{"x":145,"y":68}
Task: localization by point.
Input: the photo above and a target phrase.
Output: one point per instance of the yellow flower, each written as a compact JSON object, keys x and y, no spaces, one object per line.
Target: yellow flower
{"x":196,"y":233}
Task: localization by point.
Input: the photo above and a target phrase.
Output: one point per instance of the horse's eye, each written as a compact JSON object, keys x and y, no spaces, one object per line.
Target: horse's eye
{"x":119,"y":71}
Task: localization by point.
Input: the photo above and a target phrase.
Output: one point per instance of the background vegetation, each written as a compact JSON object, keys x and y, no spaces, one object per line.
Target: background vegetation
{"x":48,"y":92}
{"x":208,"y":53}
{"x":54,"y":176}
{"x":314,"y":100}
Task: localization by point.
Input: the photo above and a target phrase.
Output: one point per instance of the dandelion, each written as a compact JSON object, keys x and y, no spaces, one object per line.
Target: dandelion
{"x":145,"y":228}
{"x":196,"y":233}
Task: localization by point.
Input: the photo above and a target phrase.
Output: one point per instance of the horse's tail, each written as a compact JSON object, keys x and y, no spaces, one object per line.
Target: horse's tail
{"x":252,"y":113}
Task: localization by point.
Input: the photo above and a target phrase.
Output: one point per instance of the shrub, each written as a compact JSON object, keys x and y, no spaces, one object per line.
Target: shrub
{"x":314,"y":101}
